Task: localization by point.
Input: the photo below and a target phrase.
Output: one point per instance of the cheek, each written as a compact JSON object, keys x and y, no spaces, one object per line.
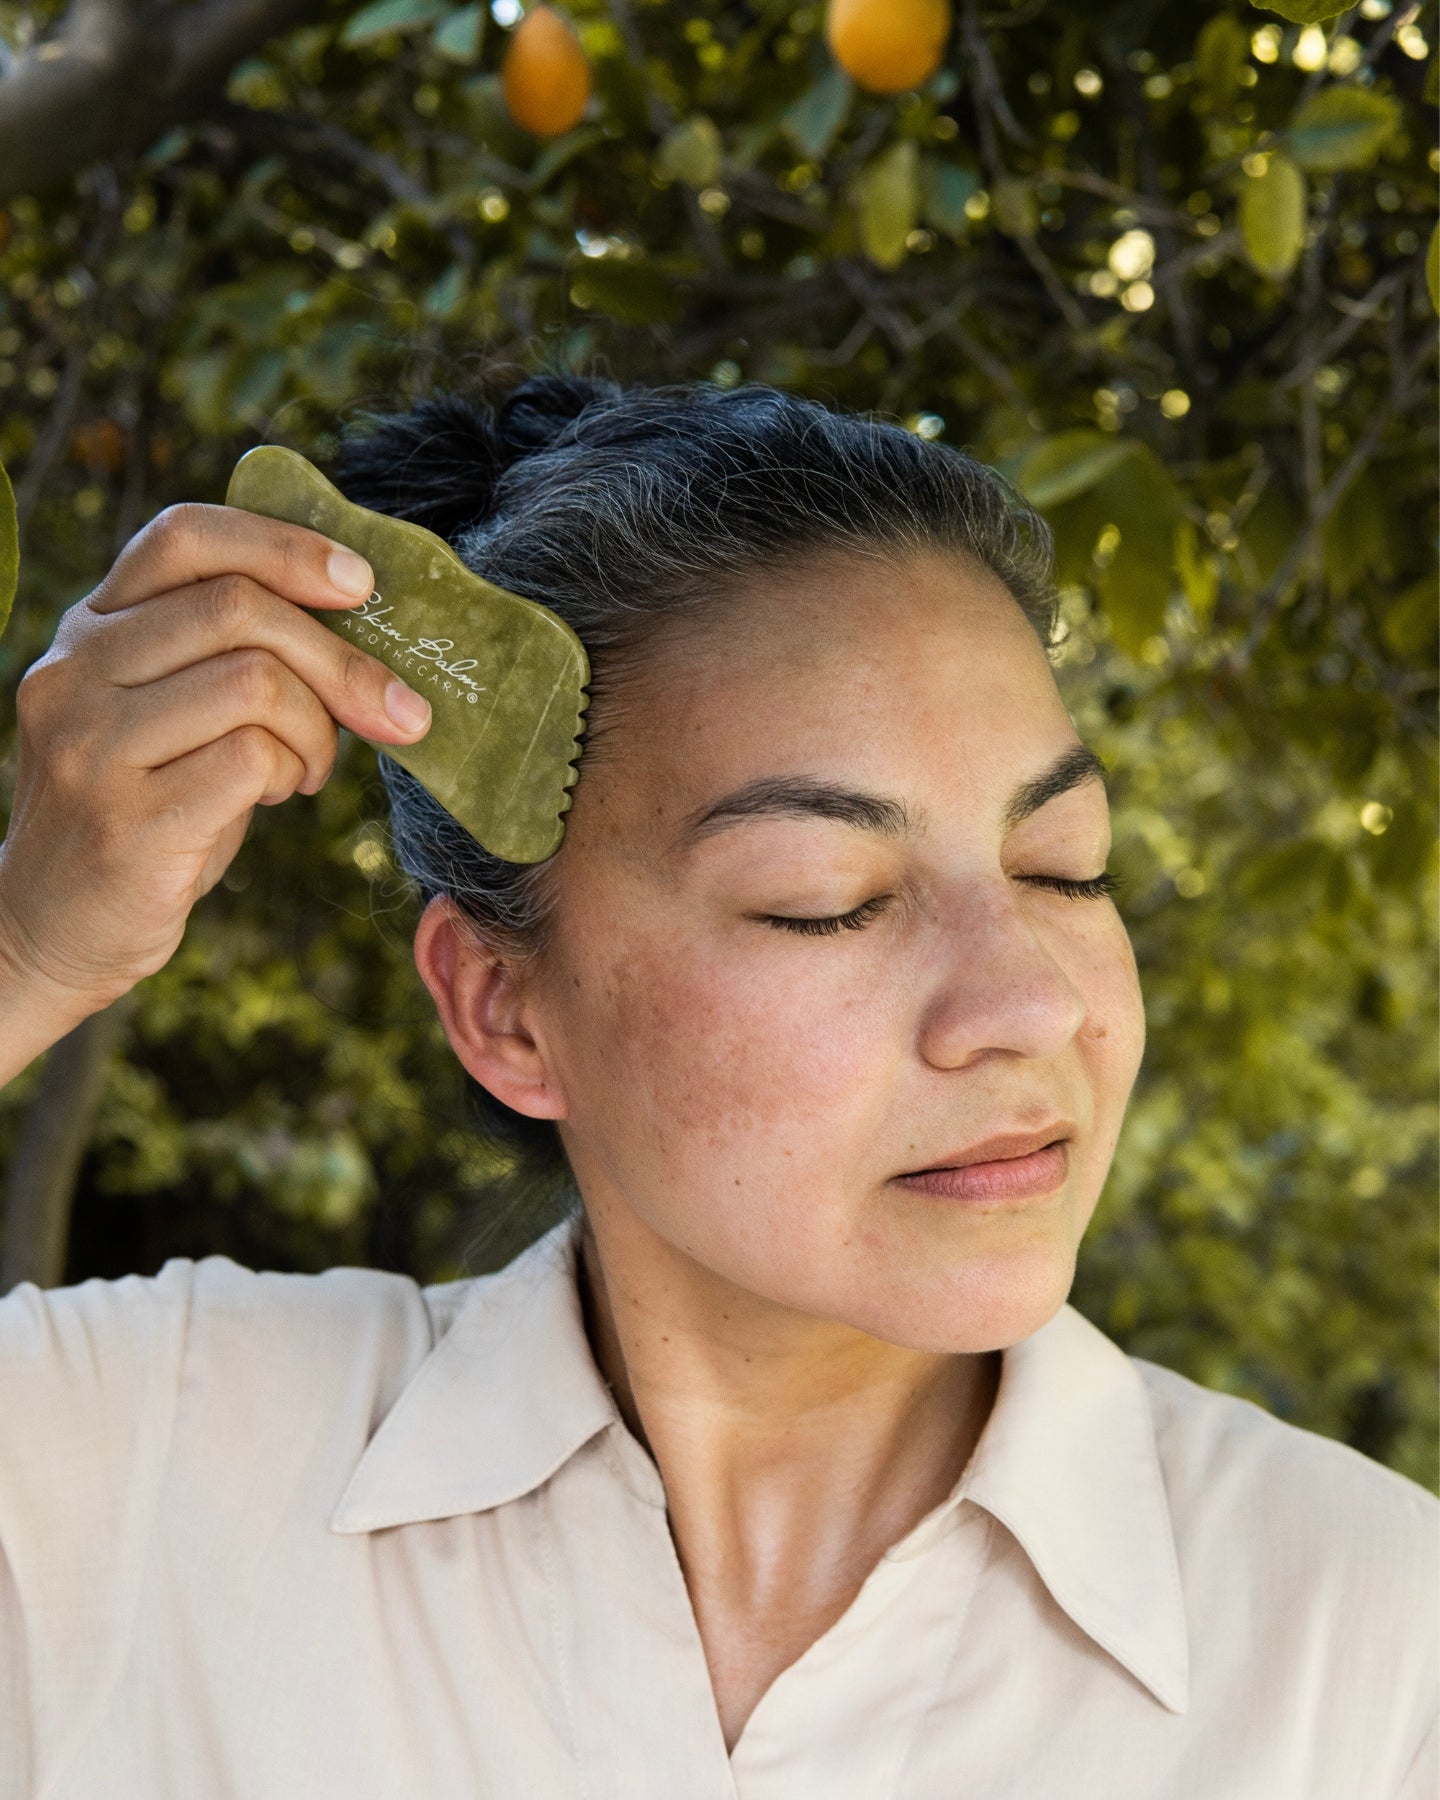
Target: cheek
{"x":1112,"y":1039}
{"x":697,"y":1052}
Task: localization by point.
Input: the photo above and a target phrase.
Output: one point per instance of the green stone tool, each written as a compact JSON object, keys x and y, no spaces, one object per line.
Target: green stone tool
{"x":505,"y":677}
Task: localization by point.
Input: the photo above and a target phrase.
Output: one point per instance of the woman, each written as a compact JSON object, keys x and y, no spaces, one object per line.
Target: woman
{"x":783,"y":1468}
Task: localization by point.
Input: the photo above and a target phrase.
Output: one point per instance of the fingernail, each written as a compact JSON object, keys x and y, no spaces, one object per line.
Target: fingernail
{"x":408,"y":709}
{"x":349,"y":573}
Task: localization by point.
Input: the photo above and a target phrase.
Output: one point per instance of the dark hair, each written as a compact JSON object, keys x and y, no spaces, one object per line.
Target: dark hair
{"x":623,"y":507}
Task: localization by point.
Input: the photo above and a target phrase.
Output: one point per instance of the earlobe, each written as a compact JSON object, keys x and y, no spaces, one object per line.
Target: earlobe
{"x":486,"y":1012}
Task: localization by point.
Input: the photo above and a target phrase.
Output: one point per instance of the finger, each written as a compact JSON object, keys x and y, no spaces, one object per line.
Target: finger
{"x":202,"y":794}
{"x":193,"y":542}
{"x":169,"y":718}
{"x":222,"y":852}
{"x":234,"y":612}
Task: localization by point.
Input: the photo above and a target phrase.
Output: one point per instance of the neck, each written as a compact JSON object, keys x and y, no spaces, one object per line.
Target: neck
{"x":794,"y":1450}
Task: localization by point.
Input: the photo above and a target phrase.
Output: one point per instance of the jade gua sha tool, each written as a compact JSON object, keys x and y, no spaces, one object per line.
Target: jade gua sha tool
{"x":505,"y":677}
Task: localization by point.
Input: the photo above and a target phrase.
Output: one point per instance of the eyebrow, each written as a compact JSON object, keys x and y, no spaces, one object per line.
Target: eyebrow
{"x":786,"y":796}
{"x":1071,"y":770}
{"x":782,"y":796}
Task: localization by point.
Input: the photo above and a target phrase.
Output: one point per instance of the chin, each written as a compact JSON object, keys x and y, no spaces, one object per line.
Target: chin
{"x":960,"y":1305}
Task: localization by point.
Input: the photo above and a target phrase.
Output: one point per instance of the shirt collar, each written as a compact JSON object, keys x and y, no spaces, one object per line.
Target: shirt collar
{"x":508,"y":1394}
{"x":1067,"y":1461}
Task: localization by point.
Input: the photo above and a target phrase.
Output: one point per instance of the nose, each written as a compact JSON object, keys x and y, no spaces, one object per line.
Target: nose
{"x":995,"y":987}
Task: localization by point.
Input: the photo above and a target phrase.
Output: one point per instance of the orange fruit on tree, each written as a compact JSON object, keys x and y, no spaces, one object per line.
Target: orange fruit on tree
{"x":888,"y":46}
{"x":545,"y":77}
{"x":100,"y":445}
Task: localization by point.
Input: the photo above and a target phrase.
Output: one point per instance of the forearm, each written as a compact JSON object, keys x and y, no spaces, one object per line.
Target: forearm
{"x":35,"y":1013}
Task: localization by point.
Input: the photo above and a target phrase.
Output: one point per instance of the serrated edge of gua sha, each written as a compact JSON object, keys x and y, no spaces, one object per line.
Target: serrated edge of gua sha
{"x":565,"y":796}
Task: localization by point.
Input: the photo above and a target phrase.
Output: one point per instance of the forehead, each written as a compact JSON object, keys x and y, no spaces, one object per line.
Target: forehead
{"x":918,"y":677}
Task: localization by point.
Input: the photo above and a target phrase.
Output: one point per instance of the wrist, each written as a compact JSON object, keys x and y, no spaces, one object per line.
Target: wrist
{"x":36,"y":1010}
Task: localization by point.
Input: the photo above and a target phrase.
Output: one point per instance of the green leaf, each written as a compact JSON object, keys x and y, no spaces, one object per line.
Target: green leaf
{"x":690,"y":153}
{"x":328,"y":365}
{"x":560,"y":151}
{"x":1272,"y":217}
{"x":1198,"y":573}
{"x":1432,"y":268}
{"x":1407,"y":848}
{"x":254,"y":83}
{"x":257,"y":386}
{"x":164,"y":150}
{"x":635,"y":293}
{"x":382,"y":17}
{"x":1015,"y":208}
{"x":946,"y":188}
{"x":1265,"y":538}
{"x":1410,"y":623}
{"x":9,"y":548}
{"x":1059,"y":468}
{"x":888,"y":201}
{"x":445,"y":294}
{"x":1304,"y":12}
{"x":490,"y":119}
{"x":202,"y":384}
{"x":1222,"y":50}
{"x":460,"y":36}
{"x":1144,"y":506}
{"x":812,"y":121}
{"x":1342,"y":128}
{"x":1292,"y":873}
{"x":1358,"y":536}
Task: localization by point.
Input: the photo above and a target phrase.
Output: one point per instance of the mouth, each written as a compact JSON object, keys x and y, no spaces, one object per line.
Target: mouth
{"x":1007,"y":1167}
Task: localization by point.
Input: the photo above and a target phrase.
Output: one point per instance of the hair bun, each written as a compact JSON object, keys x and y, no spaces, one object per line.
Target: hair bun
{"x":436,"y":464}
{"x":439,"y":463}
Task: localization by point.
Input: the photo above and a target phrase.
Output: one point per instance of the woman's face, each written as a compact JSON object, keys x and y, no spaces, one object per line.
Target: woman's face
{"x":882,"y":745}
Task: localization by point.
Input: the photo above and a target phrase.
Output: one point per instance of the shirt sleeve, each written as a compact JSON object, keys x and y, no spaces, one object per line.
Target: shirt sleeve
{"x":1422,"y":1782}
{"x":89,"y":1379}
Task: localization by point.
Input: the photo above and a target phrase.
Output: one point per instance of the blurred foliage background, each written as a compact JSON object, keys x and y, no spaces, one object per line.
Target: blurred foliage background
{"x":1164,"y":265}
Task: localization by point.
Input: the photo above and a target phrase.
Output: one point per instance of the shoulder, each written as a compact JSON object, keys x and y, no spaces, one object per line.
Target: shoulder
{"x":1235,"y":1451}
{"x":120,"y":1370}
{"x":1313,"y":1527}
{"x":1302,"y":1557}
{"x":347,"y":1339}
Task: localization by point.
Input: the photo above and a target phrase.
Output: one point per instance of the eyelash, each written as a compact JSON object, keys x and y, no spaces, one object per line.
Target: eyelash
{"x":827,"y":927}
{"x":1097,"y":888}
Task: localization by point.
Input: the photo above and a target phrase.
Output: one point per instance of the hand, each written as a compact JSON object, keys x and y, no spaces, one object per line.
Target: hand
{"x":186,"y":690}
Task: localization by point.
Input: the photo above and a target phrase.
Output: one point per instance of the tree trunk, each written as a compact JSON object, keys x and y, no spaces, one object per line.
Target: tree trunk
{"x":41,"y":1188}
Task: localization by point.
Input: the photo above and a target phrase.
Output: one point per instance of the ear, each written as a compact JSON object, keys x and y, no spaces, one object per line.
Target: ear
{"x":483,"y":1007}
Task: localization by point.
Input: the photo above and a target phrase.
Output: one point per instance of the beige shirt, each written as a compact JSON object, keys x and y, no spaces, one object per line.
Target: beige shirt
{"x":339,"y":1537}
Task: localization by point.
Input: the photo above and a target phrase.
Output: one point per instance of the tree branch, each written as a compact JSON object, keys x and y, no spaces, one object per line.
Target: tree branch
{"x":712,"y":246}
{"x":56,"y":430}
{"x":1329,"y":497}
{"x":117,"y":74}
{"x":40,"y":1190}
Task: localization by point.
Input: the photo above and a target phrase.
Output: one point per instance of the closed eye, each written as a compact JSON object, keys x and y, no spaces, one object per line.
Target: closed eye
{"x":832,"y":923}
{"x":1095,"y":889}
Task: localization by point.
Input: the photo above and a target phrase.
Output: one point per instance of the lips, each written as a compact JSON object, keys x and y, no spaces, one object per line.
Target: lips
{"x":1012,"y":1168}
{"x":1004,"y":1146}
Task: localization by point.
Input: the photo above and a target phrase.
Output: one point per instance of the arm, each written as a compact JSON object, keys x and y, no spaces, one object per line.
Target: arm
{"x":89,"y":1381}
{"x":34,"y":1014}
{"x":188,"y":689}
